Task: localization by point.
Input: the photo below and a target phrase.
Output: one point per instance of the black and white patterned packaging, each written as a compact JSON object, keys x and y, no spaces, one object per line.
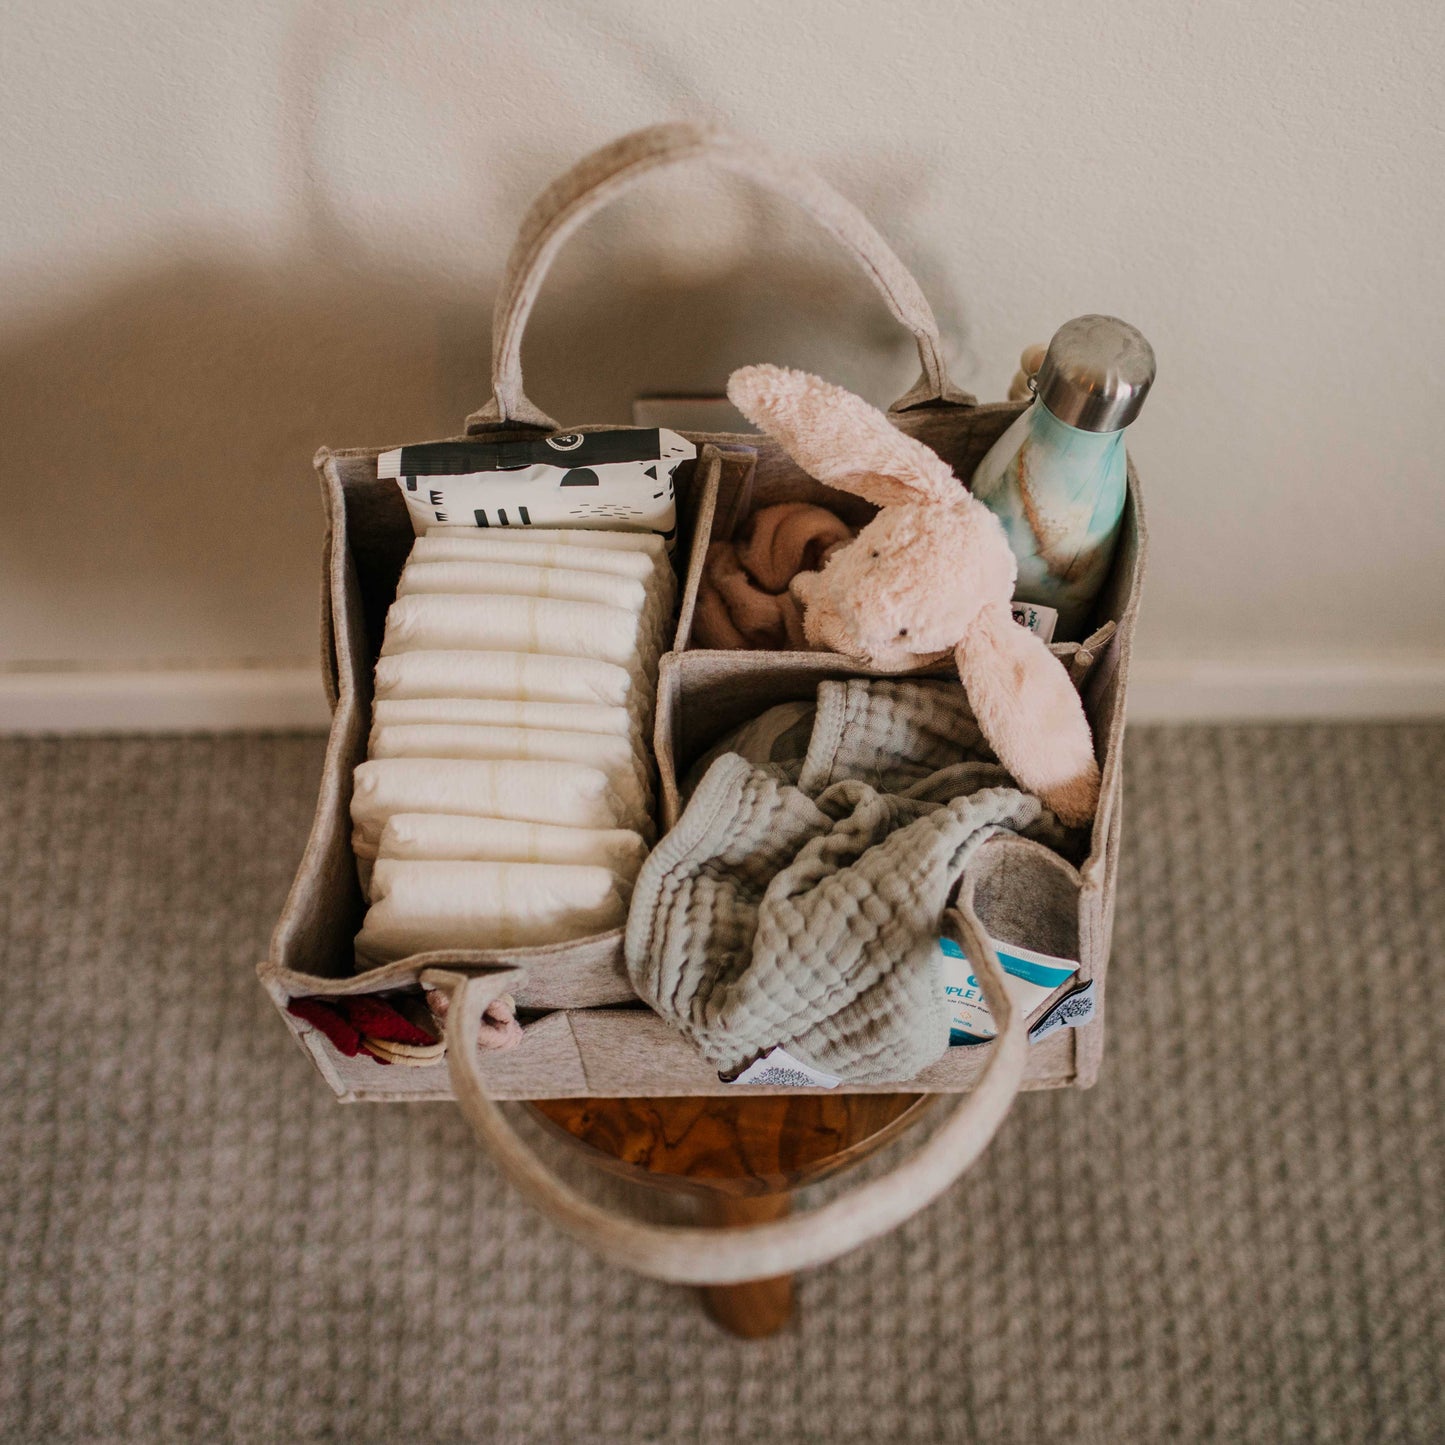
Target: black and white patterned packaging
{"x":611,"y":480}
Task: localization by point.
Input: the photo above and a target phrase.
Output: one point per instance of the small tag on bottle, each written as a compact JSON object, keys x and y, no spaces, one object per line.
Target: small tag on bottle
{"x":1039,"y":620}
{"x":780,"y":1068}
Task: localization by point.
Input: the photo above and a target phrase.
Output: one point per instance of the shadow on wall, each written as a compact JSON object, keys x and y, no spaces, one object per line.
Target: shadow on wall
{"x":158,"y":437}
{"x":159,"y":434}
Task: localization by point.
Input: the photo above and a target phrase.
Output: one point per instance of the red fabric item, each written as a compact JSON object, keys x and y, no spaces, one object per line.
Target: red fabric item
{"x":321,"y":1015}
{"x":375,"y":1017}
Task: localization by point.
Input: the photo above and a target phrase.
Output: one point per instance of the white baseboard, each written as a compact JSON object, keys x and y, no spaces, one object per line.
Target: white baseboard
{"x":1287,"y":689}
{"x":230,"y":699}
{"x":223,"y":699}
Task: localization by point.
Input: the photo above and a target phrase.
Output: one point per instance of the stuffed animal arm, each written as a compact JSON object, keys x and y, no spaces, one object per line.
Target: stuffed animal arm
{"x":931,"y":574}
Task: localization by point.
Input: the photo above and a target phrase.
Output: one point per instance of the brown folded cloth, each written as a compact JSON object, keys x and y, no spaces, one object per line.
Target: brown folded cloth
{"x":743,"y":599}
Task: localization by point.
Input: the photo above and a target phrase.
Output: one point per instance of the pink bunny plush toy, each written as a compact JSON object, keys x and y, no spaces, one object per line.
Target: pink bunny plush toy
{"x":931,"y":574}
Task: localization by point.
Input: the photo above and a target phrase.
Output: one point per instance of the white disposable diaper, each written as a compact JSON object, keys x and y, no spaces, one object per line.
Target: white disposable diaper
{"x":615,"y":756}
{"x":582,"y":717}
{"x":569,"y":794}
{"x":524,"y":549}
{"x":566,"y":584}
{"x":455,"y":837}
{"x":506,"y":676}
{"x":438,"y":622}
{"x":420,"y":906}
{"x":645,"y":542}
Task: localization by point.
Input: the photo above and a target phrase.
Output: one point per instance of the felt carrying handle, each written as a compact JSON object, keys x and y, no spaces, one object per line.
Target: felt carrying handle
{"x":695,"y":1255}
{"x":599,"y":178}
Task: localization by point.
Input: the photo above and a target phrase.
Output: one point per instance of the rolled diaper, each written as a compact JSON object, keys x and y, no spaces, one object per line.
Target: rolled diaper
{"x":648,"y":542}
{"x":421,"y":906}
{"x":506,"y":676}
{"x":582,"y":717}
{"x":566,"y":584}
{"x":434,"y":622}
{"x":453,"y":837}
{"x":615,"y":756}
{"x":568,"y":794}
{"x":482,"y":547}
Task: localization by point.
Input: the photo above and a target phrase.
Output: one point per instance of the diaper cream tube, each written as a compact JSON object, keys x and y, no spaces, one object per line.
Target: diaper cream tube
{"x":1030,"y":978}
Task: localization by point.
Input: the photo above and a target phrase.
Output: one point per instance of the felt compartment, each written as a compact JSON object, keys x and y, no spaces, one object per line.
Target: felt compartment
{"x":584,"y":1031}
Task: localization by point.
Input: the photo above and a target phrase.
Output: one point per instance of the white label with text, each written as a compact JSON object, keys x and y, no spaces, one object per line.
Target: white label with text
{"x":779,"y":1067}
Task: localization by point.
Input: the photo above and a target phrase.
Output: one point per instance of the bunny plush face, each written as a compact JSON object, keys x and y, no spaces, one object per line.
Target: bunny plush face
{"x":910,"y":585}
{"x":930,"y":574}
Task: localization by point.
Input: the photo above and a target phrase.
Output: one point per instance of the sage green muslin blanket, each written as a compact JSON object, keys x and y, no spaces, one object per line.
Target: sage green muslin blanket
{"x":800,"y":897}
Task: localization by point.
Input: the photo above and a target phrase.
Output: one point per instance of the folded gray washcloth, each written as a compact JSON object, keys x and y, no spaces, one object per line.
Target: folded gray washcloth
{"x":800,"y":899}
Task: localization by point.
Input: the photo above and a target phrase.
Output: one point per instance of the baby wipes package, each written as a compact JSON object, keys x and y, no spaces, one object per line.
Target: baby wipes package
{"x":1030,"y":978}
{"x":620,"y":480}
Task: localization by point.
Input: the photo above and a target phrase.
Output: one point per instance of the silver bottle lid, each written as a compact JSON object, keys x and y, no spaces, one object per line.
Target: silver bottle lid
{"x":1096,"y":373}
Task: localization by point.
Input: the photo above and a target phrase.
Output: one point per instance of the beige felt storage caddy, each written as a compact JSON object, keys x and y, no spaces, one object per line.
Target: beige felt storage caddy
{"x":585,"y":1032}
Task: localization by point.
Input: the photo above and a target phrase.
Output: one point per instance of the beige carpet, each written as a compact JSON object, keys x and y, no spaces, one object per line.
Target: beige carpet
{"x":1238,"y":1236}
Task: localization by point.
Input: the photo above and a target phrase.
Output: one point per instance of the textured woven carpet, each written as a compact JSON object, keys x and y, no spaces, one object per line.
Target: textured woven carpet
{"x":1238,"y":1236}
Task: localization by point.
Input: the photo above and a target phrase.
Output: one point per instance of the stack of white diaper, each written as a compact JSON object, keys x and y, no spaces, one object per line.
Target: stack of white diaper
{"x":507,"y":795}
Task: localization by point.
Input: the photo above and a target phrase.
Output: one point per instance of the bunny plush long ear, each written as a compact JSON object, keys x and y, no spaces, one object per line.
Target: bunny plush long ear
{"x":1030,"y":713}
{"x":839,"y":439}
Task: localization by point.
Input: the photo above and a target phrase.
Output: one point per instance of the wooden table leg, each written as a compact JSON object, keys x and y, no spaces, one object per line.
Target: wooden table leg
{"x":758,"y":1307}
{"x":740,"y":1157}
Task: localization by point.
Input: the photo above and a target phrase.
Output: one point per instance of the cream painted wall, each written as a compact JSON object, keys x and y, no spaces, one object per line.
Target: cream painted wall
{"x":233,"y":232}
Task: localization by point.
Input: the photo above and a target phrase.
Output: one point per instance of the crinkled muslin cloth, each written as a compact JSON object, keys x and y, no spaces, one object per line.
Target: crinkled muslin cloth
{"x":799,"y":900}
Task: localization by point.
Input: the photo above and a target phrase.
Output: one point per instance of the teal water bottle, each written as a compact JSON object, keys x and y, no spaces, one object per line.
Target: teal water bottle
{"x":1057,"y":477}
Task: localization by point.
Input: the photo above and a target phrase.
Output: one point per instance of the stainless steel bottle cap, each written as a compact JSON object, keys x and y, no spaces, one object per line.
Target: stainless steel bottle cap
{"x":1096,"y":373}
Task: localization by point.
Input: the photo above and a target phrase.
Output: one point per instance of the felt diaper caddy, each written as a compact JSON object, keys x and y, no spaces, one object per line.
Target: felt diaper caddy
{"x":585,"y":1032}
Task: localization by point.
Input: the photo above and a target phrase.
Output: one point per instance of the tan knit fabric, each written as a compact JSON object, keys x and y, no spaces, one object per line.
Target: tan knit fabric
{"x":1235,"y":1236}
